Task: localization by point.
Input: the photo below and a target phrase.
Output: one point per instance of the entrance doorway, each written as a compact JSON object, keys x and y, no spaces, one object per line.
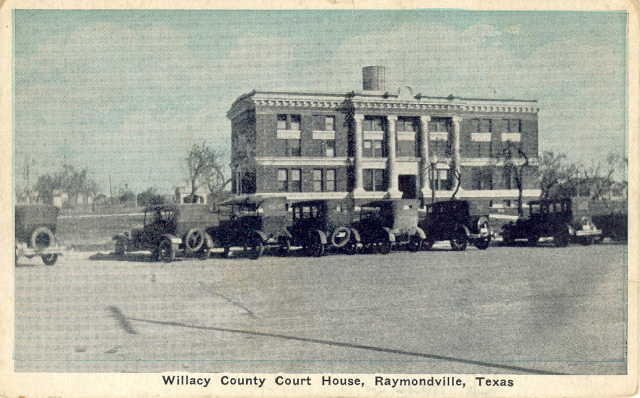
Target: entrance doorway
{"x":407,"y":185}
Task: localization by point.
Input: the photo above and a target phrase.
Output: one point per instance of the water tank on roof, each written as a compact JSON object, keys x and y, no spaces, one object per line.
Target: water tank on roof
{"x":373,"y":78}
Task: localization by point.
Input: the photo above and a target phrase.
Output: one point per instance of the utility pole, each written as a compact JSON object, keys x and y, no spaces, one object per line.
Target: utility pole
{"x":110,"y":190}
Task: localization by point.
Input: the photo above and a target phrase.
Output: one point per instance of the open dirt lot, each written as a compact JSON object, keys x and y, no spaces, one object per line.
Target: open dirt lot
{"x":518,"y":310}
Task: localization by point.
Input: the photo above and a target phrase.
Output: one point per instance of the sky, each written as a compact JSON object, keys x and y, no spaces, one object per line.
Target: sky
{"x":127,"y":93}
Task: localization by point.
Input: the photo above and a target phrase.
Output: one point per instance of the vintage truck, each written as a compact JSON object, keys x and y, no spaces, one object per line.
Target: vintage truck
{"x":384,"y":223}
{"x":169,"y":229}
{"x":35,"y":229}
{"x":452,"y":220}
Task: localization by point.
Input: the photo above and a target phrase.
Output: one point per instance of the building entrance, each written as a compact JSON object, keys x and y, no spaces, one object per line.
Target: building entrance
{"x":407,"y":185}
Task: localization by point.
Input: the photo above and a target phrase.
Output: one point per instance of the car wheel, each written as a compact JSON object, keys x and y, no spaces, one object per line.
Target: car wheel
{"x":586,"y":241}
{"x":561,"y":239}
{"x":120,"y":247}
{"x":42,"y":238}
{"x":352,"y":246}
{"x":204,"y":253}
{"x":507,"y":238}
{"x":340,"y":237}
{"x":482,"y":244}
{"x":428,"y":243}
{"x":384,"y":244}
{"x":194,"y":240}
{"x":166,"y":251}
{"x":49,"y":259}
{"x":415,"y":243}
{"x":253,"y":247}
{"x":598,"y":239}
{"x":459,"y":240}
{"x":314,"y":246}
{"x":284,"y":246}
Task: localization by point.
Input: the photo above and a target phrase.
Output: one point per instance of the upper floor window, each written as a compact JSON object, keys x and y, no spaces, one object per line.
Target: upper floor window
{"x":514,"y":125}
{"x":405,"y":124}
{"x":439,"y":126}
{"x":283,"y":180}
{"x":484,"y":126}
{"x":288,"y":122}
{"x":329,"y":148}
{"x":317,"y":180}
{"x":372,"y":124}
{"x":372,"y":149}
{"x":293,"y":148}
{"x":330,"y":180}
{"x":296,"y":180}
{"x":324,"y":123}
{"x":373,"y":179}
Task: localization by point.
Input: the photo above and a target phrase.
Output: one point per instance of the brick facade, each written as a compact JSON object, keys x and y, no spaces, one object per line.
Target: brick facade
{"x":310,"y":140}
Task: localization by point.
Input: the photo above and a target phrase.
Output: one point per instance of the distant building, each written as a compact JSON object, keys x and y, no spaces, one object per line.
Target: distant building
{"x":375,"y":144}
{"x":183,"y":194}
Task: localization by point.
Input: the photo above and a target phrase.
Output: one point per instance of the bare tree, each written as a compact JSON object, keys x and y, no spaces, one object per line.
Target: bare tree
{"x":516,"y":162}
{"x":600,"y":177}
{"x":456,"y":177}
{"x":205,"y":168}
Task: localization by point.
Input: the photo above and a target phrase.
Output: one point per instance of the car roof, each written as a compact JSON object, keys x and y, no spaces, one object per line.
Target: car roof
{"x":253,"y":200}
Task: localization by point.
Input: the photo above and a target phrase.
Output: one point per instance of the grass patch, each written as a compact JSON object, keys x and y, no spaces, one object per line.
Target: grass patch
{"x":93,"y":233}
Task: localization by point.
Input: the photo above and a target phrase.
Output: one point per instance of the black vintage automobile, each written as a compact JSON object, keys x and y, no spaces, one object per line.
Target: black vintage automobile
{"x":35,"y":230}
{"x":451,"y":220}
{"x":168,"y":229}
{"x":251,"y":223}
{"x":318,"y":224}
{"x":550,"y":218}
{"x":384,"y":223}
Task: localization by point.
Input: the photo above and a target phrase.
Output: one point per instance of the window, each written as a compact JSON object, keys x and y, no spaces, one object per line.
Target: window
{"x":439,"y":126}
{"x":283,"y":185}
{"x":329,"y":123}
{"x":482,"y":179}
{"x":288,"y":122}
{"x":439,"y":180}
{"x":372,"y":124}
{"x":324,"y":123}
{"x":330,"y":180}
{"x":296,"y":181}
{"x":282,"y":122}
{"x":514,"y":125}
{"x":405,"y":124}
{"x":373,"y":179}
{"x":329,"y":148}
{"x":317,"y":180}
{"x":372,"y":149}
{"x":484,"y":126}
{"x":295,"y":122}
{"x":293,"y":147}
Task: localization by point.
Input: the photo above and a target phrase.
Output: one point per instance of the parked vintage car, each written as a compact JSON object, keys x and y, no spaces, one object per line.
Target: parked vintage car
{"x":35,"y":228}
{"x":169,"y":229}
{"x":586,"y":232}
{"x":549,"y":218}
{"x":317,"y":224}
{"x":384,"y":223}
{"x":251,"y":223}
{"x":451,"y":220}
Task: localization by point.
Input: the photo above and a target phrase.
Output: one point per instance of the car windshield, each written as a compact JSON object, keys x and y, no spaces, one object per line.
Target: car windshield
{"x":157,"y":216}
{"x":534,"y":208}
{"x":246,"y":209}
{"x":301,"y":212}
{"x":368,"y":212}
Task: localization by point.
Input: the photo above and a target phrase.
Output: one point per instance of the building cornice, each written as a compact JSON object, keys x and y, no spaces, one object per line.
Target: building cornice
{"x":326,"y":101}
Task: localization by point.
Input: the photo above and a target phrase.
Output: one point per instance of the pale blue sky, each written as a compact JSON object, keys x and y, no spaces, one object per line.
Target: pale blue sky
{"x":126,"y":93}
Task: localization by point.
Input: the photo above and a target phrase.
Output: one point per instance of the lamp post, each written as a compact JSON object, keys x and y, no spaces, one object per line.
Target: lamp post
{"x":433,"y":162}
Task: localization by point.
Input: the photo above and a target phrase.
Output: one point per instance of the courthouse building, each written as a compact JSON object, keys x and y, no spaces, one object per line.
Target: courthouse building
{"x":376,"y":143}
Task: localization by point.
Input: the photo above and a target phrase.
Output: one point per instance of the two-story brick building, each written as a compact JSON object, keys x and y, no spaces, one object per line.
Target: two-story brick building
{"x":375,"y":144}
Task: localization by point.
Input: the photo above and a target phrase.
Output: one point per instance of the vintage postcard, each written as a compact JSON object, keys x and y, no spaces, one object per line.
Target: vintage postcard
{"x":354,"y":199}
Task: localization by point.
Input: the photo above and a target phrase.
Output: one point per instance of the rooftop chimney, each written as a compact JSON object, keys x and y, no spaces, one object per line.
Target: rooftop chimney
{"x":373,"y":78}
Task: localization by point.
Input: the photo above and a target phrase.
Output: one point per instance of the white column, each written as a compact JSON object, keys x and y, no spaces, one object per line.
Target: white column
{"x":424,"y":156}
{"x":456,"y":142}
{"x":456,"y":149}
{"x":392,"y":170}
{"x":357,"y":155}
